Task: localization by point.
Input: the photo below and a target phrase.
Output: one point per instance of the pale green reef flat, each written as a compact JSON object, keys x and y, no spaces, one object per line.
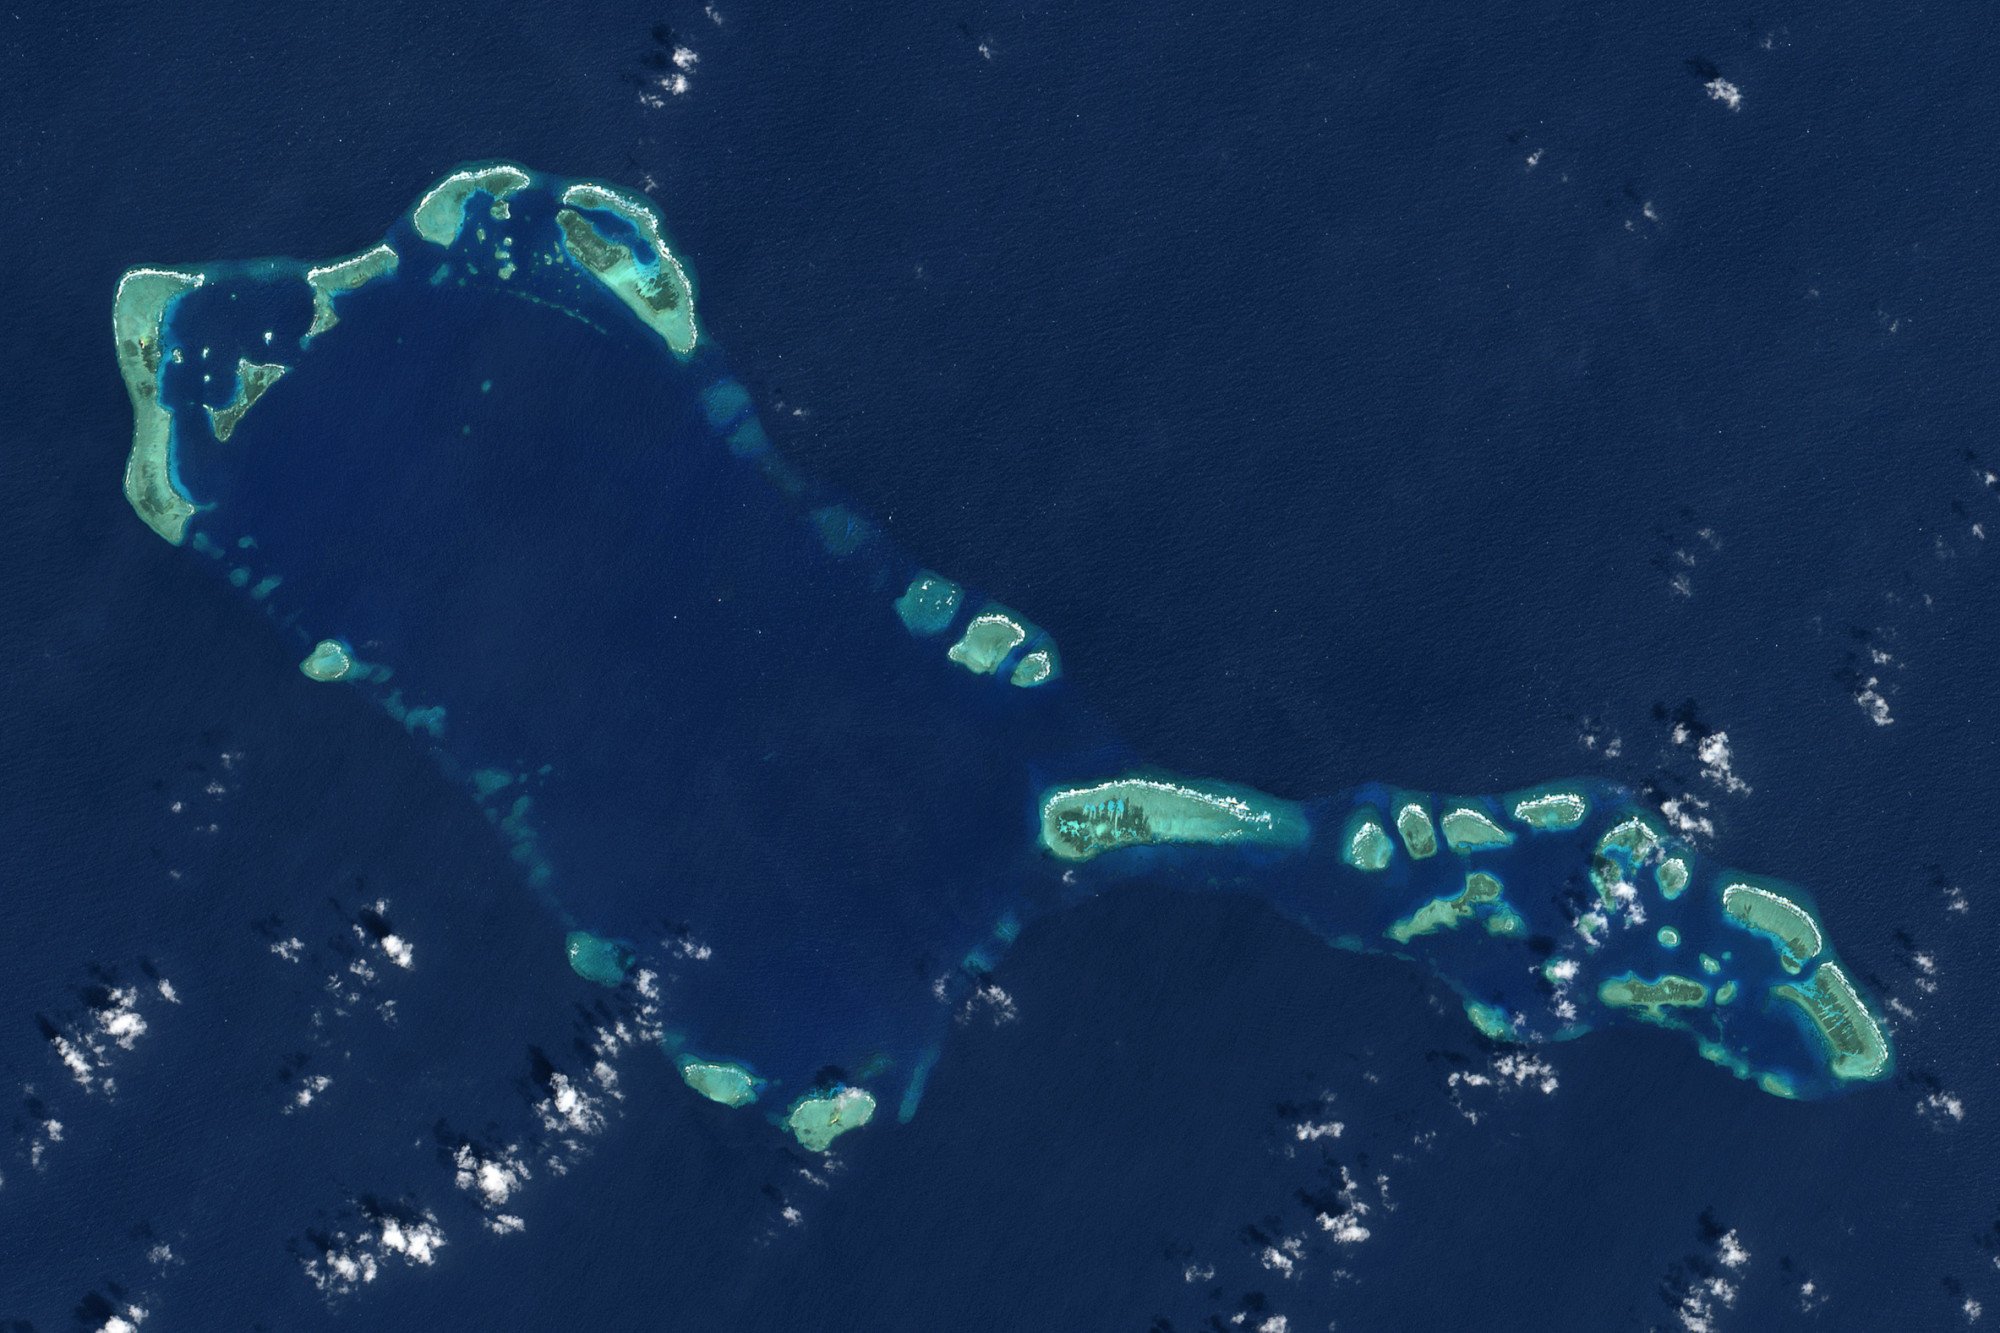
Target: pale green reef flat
{"x":1034,"y":669}
{"x":1625,"y":847}
{"x":1551,"y":808}
{"x":1080,"y":822}
{"x":1468,"y":829}
{"x":1481,"y":890}
{"x":1413,"y":824}
{"x":328,"y":661}
{"x":818,"y":1120}
{"x":1491,"y":1020}
{"x":597,"y":959}
{"x":330,"y":280}
{"x":1365,"y":844}
{"x":1767,"y":912}
{"x":660,"y":294}
{"x":1637,"y":838}
{"x":929,"y":605}
{"x":731,"y":1085}
{"x":1653,"y":998}
{"x":138,"y":313}
{"x":1855,"y":1045}
{"x":252,"y":380}
{"x":987,"y":640}
{"x":1669,"y":938}
{"x":440,"y":214}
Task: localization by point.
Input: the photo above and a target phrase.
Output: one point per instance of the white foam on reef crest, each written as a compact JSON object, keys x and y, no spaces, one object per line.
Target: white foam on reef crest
{"x":138,"y":319}
{"x":440,"y":214}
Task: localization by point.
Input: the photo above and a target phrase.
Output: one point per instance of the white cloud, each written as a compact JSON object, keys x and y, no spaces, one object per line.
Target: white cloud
{"x":1283,"y":1258}
{"x":120,"y":1019}
{"x":350,"y":1261}
{"x":569,"y":1107}
{"x":1717,"y":763}
{"x":494,"y":1179}
{"x":309,"y":1088}
{"x":1345,"y":1226}
{"x":418,"y":1242}
{"x":1701,"y":1301}
{"x":1684,"y":813}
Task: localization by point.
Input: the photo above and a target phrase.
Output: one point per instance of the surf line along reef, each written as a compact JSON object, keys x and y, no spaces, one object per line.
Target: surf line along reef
{"x":491,"y":474}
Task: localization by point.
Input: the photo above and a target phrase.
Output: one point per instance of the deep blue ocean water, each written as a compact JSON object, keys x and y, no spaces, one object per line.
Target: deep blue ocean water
{"x":1456,"y":401}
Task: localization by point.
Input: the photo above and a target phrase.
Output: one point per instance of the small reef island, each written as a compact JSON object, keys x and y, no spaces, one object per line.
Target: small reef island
{"x":754,"y":760}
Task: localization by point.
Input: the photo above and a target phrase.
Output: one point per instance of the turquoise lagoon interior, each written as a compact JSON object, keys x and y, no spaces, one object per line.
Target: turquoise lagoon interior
{"x":715,"y":716}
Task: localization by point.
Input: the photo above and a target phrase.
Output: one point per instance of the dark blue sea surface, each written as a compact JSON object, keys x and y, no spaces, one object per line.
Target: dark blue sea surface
{"x":1456,"y":401}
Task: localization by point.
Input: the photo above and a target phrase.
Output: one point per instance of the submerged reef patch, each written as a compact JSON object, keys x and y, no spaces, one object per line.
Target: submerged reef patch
{"x":594,"y":958}
{"x":929,"y":605}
